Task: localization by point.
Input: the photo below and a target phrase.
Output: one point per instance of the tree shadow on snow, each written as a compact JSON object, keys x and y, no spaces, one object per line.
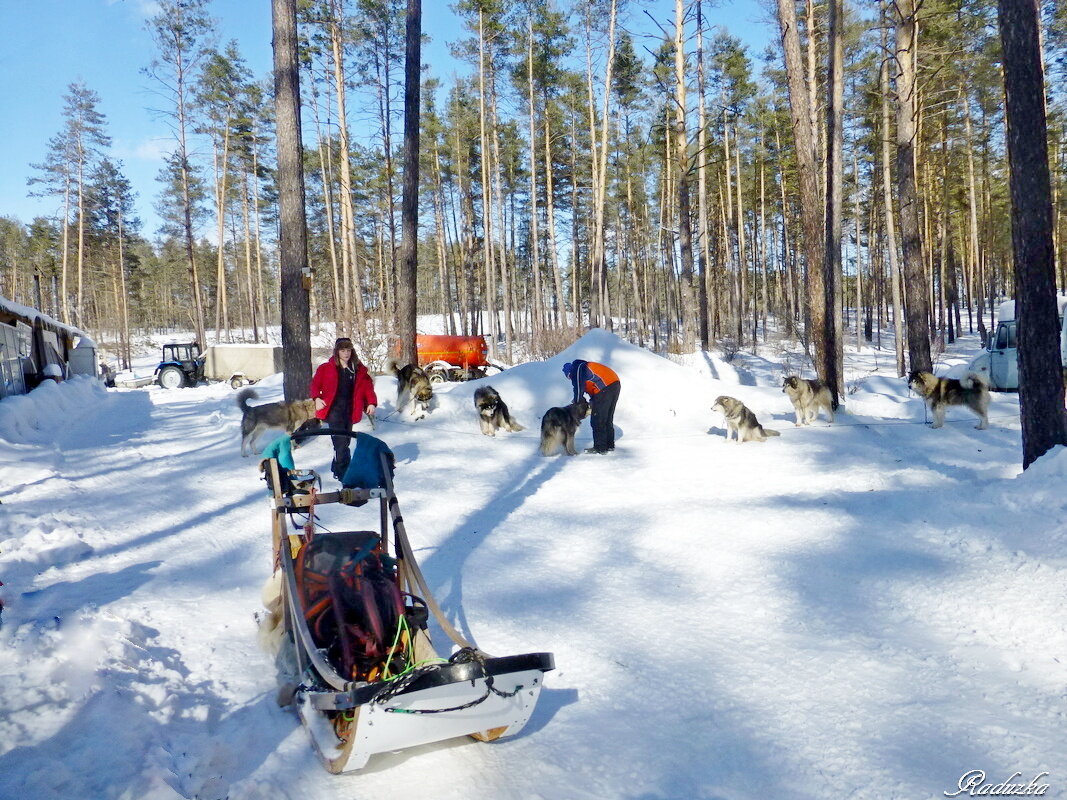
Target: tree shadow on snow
{"x":469,"y":533}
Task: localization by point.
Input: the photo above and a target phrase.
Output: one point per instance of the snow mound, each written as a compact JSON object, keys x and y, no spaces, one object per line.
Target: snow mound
{"x":31,"y":418}
{"x":657,"y":395}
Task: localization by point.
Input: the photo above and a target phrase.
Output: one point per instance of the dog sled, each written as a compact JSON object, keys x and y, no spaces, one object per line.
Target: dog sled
{"x":355,"y":656}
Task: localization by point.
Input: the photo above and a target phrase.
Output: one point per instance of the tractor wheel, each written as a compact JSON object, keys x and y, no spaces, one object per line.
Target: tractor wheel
{"x":171,"y":378}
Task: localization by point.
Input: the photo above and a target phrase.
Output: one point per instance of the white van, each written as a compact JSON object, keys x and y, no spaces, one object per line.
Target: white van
{"x":1000,"y":361}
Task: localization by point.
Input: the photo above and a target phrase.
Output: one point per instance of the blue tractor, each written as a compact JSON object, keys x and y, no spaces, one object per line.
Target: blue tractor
{"x":182,"y":365}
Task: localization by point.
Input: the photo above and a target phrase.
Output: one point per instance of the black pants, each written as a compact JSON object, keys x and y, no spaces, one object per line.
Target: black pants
{"x":340,"y":420}
{"x":602,"y":419}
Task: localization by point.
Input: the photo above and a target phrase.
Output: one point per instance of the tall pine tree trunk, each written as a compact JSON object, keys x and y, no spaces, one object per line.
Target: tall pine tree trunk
{"x":804,"y":137}
{"x":407,"y":288}
{"x":1044,"y":423}
{"x":914,"y":275}
{"x":295,"y":279}
{"x":890,"y":227}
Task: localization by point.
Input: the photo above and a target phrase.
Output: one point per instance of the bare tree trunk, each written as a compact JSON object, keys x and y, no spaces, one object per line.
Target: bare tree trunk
{"x":407,"y":289}
{"x":835,"y":173}
{"x":703,"y":255}
{"x":535,"y":242}
{"x":685,"y":230}
{"x":808,"y":175}
{"x":326,"y":166}
{"x":351,"y":291}
{"x":222,"y":316}
{"x":598,"y":289}
{"x":487,"y":233}
{"x":125,"y":350}
{"x":859,"y":263}
{"x":915,"y":283}
{"x":64,"y":305}
{"x":550,"y":208}
{"x":1044,"y":423}
{"x":249,"y":283}
{"x":295,"y":277}
{"x":972,"y":218}
{"x":890,"y":227}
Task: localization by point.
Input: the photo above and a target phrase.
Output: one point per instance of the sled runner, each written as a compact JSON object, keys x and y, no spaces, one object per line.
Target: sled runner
{"x":365,"y":677}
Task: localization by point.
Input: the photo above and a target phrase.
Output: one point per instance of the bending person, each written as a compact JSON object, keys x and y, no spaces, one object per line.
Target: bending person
{"x":602,"y":386}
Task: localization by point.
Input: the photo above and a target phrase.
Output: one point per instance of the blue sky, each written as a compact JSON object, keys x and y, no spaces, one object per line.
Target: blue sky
{"x":48,"y":44}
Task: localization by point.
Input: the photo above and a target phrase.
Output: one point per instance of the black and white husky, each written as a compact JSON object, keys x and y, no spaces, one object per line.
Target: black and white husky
{"x":493,"y":414}
{"x":559,"y":425}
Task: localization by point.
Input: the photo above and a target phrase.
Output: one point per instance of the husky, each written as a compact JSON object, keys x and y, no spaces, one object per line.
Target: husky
{"x":808,"y":397}
{"x":256,"y":419}
{"x":940,"y":393}
{"x":559,"y":425}
{"x":741,"y":421}
{"x":493,"y":414}
{"x":413,"y":387}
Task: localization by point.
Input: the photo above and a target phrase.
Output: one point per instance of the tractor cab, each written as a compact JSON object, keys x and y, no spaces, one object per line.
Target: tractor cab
{"x":182,"y":365}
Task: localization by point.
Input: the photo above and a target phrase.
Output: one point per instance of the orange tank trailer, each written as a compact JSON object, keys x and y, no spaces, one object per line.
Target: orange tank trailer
{"x":459,"y":351}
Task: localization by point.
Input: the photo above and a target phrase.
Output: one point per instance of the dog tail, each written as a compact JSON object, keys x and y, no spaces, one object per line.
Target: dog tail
{"x":392,"y":367}
{"x":515,"y":427}
{"x":244,"y":396}
{"x":969,"y":380}
{"x":769,"y":432}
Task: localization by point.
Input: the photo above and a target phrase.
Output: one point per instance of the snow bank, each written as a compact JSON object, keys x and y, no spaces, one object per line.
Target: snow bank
{"x":32,"y":417}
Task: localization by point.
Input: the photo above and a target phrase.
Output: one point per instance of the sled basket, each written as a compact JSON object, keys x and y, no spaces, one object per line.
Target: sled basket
{"x":365,"y":677}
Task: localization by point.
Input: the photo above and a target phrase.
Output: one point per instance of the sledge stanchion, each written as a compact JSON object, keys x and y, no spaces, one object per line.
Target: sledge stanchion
{"x":356,"y":657}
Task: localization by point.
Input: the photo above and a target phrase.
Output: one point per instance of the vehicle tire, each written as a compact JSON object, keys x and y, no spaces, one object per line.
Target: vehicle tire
{"x":236,"y":382}
{"x":171,"y":378}
{"x":438,"y":376}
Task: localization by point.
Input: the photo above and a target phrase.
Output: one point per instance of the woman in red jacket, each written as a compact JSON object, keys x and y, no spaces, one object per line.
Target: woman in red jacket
{"x":342,"y":390}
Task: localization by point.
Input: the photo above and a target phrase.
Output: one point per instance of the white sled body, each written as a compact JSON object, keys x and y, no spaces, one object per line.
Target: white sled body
{"x":388,"y":726}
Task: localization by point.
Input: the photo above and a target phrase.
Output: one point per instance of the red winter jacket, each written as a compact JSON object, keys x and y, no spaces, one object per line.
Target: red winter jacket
{"x":324,"y":385}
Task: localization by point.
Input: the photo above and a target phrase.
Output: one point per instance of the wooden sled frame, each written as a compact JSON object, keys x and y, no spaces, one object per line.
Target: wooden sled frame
{"x":471,"y":694}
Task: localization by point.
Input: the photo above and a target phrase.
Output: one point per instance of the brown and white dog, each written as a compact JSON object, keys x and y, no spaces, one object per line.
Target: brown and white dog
{"x":940,"y":393}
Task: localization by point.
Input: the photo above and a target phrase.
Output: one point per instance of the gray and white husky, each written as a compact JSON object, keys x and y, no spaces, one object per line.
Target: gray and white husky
{"x":740,"y":421}
{"x":256,"y":419}
{"x":809,"y":396}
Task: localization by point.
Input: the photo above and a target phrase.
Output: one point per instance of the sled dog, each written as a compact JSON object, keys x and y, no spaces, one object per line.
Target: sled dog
{"x":740,"y":421}
{"x":493,"y":414}
{"x":808,"y":397}
{"x":256,"y":419}
{"x":940,"y":393}
{"x":559,"y":425}
{"x":413,"y":388}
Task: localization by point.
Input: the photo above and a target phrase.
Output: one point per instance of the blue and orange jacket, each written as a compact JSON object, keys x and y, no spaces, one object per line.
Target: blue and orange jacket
{"x":590,"y":378}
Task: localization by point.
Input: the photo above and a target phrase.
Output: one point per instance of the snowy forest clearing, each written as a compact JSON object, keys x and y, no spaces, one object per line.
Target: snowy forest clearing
{"x":870,"y":609}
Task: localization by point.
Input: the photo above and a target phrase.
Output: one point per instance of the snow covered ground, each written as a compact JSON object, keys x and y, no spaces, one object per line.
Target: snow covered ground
{"x":870,"y":609}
